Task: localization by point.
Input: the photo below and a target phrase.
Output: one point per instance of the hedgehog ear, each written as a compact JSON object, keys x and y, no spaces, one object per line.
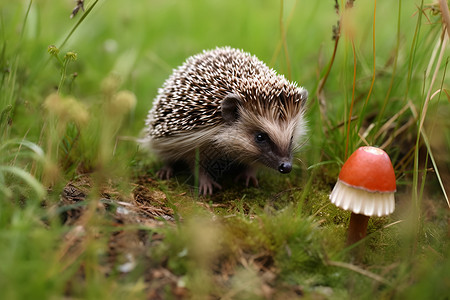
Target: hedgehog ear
{"x":303,"y":95}
{"x":229,"y":108}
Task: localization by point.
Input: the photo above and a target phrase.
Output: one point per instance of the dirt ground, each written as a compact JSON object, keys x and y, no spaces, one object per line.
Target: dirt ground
{"x":137,"y":221}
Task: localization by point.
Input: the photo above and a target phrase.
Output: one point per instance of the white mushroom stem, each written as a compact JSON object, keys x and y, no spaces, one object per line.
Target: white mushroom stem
{"x":357,"y":229}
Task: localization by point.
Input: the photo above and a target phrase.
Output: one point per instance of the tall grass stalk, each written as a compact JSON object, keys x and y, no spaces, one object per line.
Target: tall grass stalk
{"x":394,"y":69}
{"x":352,"y":103}
{"x":282,"y":42}
{"x":10,"y":166}
{"x":428,"y":98}
{"x":412,"y":51}
{"x":374,"y":68}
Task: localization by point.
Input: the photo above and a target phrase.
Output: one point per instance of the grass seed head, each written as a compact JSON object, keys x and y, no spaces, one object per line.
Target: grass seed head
{"x":122,"y":102}
{"x":66,"y":109}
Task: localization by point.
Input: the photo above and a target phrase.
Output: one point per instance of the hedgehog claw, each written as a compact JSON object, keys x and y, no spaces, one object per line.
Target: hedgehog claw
{"x":165,"y":173}
{"x":253,"y":179}
{"x":206,"y":185}
{"x":248,"y":175}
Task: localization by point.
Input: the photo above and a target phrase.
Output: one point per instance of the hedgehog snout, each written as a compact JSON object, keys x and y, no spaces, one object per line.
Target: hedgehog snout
{"x":285,"y":167}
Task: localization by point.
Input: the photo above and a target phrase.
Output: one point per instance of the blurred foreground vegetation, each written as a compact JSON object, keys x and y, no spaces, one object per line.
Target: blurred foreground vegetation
{"x":83,"y":216}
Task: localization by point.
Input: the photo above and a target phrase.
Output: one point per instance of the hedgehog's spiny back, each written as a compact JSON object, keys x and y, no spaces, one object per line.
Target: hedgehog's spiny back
{"x":190,"y":97}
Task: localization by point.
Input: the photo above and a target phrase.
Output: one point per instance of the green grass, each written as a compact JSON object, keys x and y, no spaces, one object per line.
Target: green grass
{"x":82,"y":215}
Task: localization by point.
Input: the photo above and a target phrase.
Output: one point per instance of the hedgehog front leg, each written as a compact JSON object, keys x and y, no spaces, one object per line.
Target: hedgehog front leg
{"x":211,"y":166}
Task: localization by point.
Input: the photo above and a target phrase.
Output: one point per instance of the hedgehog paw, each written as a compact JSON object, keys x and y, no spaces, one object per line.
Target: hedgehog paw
{"x":248,"y":175}
{"x":165,"y":173}
{"x":206,"y":185}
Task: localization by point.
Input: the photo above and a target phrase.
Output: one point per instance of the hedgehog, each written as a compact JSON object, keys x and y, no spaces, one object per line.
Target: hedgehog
{"x":224,"y":107}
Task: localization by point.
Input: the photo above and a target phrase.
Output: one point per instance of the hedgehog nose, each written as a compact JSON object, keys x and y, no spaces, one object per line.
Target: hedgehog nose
{"x":285,"y":167}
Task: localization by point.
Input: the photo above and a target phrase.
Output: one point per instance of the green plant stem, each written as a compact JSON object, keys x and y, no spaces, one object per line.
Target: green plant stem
{"x":284,"y":41}
{"x":78,"y":23}
{"x":353,"y":101}
{"x":374,"y":69}
{"x":25,"y":19}
{"x":63,"y":75}
{"x":413,"y":53}
{"x":280,"y":42}
{"x":394,"y":70}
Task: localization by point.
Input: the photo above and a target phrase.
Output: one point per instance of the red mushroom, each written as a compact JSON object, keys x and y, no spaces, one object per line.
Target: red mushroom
{"x":366,"y":187}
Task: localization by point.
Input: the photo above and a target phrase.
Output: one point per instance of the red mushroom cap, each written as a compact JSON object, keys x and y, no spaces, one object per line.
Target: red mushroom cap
{"x":369,"y":168}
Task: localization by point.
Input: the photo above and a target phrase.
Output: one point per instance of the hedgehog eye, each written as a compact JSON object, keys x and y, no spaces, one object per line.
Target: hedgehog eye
{"x":261,"y":137}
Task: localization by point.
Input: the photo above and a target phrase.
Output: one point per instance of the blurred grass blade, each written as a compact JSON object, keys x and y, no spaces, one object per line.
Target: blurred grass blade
{"x":27,"y":177}
{"x":4,"y":118}
{"x":4,"y":189}
{"x":425,"y":109}
{"x":435,"y":167}
{"x":32,"y":146}
{"x":325,"y":162}
{"x":24,"y":24}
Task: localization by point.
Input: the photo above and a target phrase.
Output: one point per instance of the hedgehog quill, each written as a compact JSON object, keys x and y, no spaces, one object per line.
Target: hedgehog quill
{"x":231,"y":108}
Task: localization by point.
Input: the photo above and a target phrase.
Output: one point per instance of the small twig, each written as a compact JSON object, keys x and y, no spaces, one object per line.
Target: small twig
{"x":393,"y":223}
{"x":359,"y":270}
{"x":390,"y":121}
{"x":340,"y":124}
{"x":397,"y":133}
{"x":364,"y":135}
